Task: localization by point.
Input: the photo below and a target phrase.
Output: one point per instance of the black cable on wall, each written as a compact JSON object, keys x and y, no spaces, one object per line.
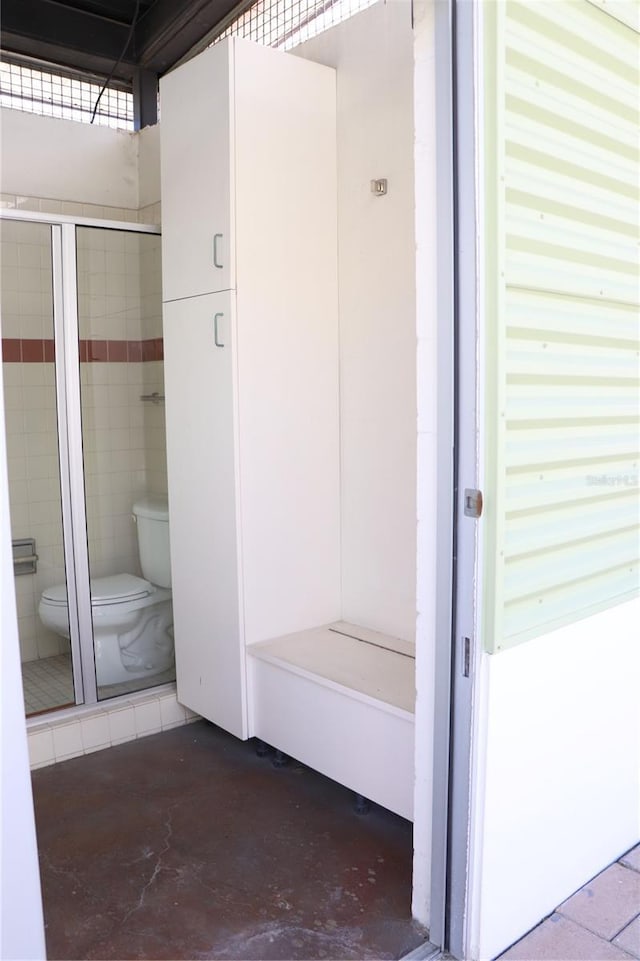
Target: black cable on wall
{"x":119,"y":60}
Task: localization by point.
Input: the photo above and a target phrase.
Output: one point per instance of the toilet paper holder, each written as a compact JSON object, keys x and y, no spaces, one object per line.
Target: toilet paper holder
{"x":25,"y":559}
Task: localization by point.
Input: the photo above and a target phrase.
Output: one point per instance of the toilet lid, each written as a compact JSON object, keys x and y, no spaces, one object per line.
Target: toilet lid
{"x":105,"y":590}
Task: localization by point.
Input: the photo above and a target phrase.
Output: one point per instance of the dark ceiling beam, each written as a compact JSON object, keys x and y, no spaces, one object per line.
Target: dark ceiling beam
{"x":145,"y":99}
{"x":56,"y":25}
{"x":168,"y":30}
{"x":89,"y":35}
{"x":119,"y":10}
{"x":66,"y":57}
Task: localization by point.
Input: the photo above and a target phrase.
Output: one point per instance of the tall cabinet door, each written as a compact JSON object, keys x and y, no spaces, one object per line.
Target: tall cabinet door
{"x":199,"y":339}
{"x":196,"y":175}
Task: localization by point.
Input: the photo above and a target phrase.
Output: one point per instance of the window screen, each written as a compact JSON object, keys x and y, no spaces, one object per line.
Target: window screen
{"x":34,"y":89}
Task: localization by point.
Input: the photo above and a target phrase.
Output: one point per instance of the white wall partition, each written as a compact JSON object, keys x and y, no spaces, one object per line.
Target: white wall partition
{"x":67,"y":161}
{"x":559,"y":776}
{"x":373,"y":54}
{"x":21,"y":920}
{"x":391,"y":249}
{"x":148,"y":143}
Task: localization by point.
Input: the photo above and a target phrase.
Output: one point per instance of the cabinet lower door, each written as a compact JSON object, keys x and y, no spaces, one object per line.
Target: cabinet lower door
{"x":199,"y":349}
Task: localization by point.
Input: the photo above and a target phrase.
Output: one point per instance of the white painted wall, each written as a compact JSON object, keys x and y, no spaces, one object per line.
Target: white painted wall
{"x":21,"y":920}
{"x":66,"y":160}
{"x":373,"y":54}
{"x":148,"y":143}
{"x":386,"y":85}
{"x":63,"y":162}
{"x":557,"y":771}
{"x":426,"y":363}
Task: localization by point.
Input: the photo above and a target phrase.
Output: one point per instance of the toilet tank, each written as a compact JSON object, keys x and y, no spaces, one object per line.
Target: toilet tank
{"x":151,"y":514}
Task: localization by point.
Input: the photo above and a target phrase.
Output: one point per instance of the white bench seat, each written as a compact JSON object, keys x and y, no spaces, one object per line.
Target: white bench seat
{"x":340,"y":699}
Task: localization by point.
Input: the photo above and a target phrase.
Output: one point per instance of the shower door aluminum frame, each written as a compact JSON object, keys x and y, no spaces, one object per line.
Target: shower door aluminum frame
{"x":69,"y":422}
{"x":65,"y":323}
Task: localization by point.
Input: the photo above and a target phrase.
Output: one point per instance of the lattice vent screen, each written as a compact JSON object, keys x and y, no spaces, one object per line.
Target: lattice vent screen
{"x":37,"y":90}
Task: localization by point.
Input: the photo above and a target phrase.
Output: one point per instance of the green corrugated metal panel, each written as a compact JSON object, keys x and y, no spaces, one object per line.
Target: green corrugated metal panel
{"x":562,"y":287}
{"x":590,"y":445}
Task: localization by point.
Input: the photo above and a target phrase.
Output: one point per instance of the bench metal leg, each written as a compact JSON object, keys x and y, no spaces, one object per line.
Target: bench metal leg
{"x":280,"y":759}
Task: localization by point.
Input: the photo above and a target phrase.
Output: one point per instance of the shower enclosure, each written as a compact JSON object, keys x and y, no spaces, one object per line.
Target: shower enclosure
{"x":83,"y":396}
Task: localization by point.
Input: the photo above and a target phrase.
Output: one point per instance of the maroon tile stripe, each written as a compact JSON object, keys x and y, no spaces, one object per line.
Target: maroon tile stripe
{"x":17,"y":350}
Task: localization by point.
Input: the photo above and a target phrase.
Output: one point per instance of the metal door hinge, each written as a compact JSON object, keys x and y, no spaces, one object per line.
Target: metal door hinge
{"x":472,"y":502}
{"x":466,"y":656}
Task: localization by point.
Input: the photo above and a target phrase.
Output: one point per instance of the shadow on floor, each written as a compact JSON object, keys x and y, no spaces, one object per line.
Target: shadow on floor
{"x":186,"y":845}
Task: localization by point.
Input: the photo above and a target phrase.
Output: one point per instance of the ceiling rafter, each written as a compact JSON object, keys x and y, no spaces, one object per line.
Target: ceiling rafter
{"x":90,"y":34}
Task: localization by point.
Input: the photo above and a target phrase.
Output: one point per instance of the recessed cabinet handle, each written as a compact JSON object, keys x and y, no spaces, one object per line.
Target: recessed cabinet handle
{"x":216,"y":338}
{"x":216,"y":263}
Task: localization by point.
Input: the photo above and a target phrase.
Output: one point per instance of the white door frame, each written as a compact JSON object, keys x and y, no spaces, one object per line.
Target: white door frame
{"x":467,"y":436}
{"x":466,"y":659}
{"x":456,"y":632}
{"x":454,"y":22}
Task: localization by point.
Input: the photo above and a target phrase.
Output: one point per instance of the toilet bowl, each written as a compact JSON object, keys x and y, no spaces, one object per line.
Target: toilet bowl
{"x":132,"y":616}
{"x":132,"y":626}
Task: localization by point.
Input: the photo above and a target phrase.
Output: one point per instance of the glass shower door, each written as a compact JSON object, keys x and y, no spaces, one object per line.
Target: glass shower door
{"x":123,"y":439}
{"x":28,"y":356}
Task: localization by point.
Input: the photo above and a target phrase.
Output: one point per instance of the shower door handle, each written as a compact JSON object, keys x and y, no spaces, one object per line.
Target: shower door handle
{"x":216,"y":263}
{"x":216,"y":338}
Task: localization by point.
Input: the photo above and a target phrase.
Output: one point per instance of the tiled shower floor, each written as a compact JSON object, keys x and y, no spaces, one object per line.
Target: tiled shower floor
{"x":48,"y":684}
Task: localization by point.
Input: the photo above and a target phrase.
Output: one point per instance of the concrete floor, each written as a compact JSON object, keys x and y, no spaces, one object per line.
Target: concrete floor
{"x":186,"y":845}
{"x":600,"y":922}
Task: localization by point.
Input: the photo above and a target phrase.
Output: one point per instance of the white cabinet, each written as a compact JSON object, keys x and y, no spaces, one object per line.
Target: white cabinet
{"x":203,"y":506}
{"x":196,"y":193}
{"x":251,"y":361}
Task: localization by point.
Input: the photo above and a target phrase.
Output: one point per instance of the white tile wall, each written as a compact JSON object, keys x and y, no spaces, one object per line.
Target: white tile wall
{"x":34,"y":489}
{"x":67,"y":741}
{"x":67,"y":734}
{"x":151,"y":285}
{"x":147,"y":716}
{"x":51,"y":206}
{"x":115,"y":468}
{"x":122,"y":725}
{"x":41,"y":750}
{"x":153,"y":371}
{"x":155,"y":442}
{"x":95,"y":733}
{"x":109,"y":285}
{"x":25,"y":275}
{"x":149,"y":214}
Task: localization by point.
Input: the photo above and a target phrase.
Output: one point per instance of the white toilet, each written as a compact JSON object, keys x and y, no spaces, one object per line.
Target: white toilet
{"x":132,"y":617}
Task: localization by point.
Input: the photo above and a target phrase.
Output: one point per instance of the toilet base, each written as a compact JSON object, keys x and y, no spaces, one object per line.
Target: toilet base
{"x":143,"y":649}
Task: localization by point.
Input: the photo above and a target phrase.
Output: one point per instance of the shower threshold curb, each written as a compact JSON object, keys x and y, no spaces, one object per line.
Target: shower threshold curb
{"x":85,"y":728}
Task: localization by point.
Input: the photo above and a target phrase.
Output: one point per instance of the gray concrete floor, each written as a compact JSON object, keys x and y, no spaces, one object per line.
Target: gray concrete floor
{"x":187,"y":845}
{"x":600,"y":922}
